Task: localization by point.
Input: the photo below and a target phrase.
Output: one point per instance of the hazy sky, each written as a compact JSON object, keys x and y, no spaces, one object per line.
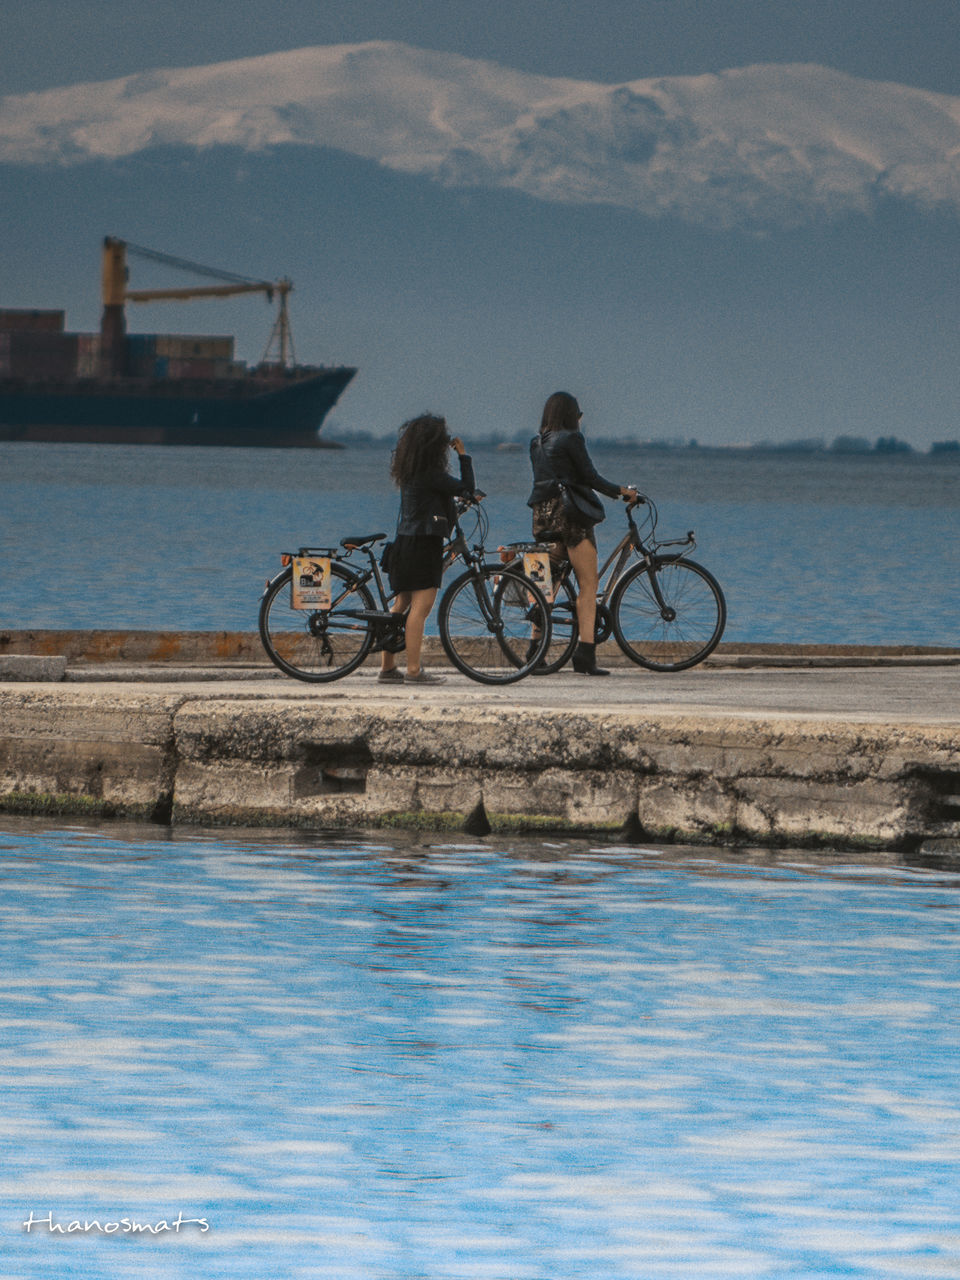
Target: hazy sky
{"x":477,"y":301}
{"x":53,"y":42}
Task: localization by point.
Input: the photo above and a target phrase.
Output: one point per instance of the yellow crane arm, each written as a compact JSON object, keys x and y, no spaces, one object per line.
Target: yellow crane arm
{"x":116,"y":295}
{"x":199,"y":291}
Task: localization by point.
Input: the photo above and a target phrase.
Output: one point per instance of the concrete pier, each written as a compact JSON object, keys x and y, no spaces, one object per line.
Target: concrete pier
{"x":825,"y":749}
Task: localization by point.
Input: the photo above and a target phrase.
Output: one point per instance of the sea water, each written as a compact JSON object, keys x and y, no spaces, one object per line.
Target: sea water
{"x":414,"y":1058}
{"x":808,"y":548}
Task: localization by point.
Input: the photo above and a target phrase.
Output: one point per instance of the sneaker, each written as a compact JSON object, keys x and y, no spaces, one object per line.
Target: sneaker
{"x":424,"y":677}
{"x":393,"y":676}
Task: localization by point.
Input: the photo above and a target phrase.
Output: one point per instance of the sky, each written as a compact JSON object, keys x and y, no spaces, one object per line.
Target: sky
{"x":473,"y":284}
{"x":57,"y":42}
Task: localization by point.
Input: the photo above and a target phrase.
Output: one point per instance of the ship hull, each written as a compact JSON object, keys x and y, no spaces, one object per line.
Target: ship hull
{"x":283,"y":411}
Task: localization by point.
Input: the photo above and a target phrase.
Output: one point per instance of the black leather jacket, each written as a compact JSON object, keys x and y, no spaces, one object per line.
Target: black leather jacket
{"x":426,"y":506}
{"x":562,"y":455}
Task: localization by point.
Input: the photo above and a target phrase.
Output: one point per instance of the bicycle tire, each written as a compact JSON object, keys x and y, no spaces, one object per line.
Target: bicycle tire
{"x":487,"y":619}
{"x":322,"y":644}
{"x":668,"y":643}
{"x":564,"y":628}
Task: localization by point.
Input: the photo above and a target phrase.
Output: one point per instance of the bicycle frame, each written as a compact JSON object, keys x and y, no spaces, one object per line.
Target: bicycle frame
{"x":632,"y":545}
{"x":385,"y":619}
{"x":355,"y":578}
{"x":666,"y":641}
{"x":343,"y":612}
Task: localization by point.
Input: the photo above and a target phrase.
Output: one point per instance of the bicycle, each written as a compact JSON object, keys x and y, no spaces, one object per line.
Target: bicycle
{"x":494,"y":622}
{"x":667,"y":613}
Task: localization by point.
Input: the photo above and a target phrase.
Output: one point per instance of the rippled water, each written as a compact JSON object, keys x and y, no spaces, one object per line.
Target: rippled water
{"x":409,"y":1059}
{"x":819,"y":549}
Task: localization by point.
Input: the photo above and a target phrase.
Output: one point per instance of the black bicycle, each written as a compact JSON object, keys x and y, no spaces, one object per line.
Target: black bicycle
{"x":494,"y":621}
{"x":666,"y":612}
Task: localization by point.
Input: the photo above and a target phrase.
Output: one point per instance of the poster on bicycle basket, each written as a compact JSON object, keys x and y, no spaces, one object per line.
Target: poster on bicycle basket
{"x":536,"y":566}
{"x":310,"y":584}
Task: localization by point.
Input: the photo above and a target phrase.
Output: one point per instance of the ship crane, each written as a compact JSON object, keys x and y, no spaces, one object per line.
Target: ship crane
{"x":116,"y":295}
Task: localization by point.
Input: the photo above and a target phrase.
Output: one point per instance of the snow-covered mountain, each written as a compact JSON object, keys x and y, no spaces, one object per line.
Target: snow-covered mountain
{"x":777,"y":145}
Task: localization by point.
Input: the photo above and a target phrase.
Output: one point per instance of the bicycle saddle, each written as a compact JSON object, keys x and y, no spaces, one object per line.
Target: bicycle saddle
{"x":362,"y":540}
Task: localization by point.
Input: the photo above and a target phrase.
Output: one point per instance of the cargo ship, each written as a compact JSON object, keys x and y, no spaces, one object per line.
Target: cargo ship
{"x":115,"y":387}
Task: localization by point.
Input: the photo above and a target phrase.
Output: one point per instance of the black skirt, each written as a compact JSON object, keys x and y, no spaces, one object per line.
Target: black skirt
{"x":416,"y":562}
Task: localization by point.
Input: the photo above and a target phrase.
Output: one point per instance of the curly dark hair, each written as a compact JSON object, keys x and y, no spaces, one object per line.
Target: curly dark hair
{"x":422,"y":445}
{"x":560,"y":413}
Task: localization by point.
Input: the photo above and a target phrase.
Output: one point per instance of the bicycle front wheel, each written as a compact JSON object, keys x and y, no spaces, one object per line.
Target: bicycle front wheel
{"x":494,"y":624}
{"x":565,"y":631}
{"x":319,"y":644}
{"x":668,"y":616}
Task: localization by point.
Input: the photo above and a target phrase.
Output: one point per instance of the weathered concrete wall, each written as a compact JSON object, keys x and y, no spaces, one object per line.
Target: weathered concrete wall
{"x":30,"y":668}
{"x":329,"y":762}
{"x":116,"y":753}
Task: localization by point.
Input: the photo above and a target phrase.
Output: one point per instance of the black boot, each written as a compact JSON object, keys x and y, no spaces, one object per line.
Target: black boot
{"x":585,"y":660}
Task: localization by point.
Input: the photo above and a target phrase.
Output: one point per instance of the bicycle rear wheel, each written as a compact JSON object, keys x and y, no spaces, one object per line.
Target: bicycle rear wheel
{"x":320,"y":644}
{"x":494,"y":624}
{"x":681,"y":631}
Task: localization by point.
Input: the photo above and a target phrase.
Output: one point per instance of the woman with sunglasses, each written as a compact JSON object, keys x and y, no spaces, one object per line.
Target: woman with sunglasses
{"x":561,"y":462}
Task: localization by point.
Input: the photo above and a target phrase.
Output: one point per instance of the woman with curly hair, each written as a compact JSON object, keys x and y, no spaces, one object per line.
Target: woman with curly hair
{"x":559,"y":457}
{"x":427,"y":491}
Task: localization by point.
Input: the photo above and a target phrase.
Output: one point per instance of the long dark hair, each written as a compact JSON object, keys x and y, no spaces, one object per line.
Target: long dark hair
{"x":422,"y":446}
{"x":560,"y":413}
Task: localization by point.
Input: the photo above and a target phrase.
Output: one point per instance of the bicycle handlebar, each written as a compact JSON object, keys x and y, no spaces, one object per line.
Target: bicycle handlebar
{"x":464,"y":501}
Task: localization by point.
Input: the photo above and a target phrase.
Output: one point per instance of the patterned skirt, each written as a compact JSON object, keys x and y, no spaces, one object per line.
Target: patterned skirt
{"x":550,"y":517}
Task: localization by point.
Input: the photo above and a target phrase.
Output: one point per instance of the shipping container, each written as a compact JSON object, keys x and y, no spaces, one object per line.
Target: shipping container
{"x":13,"y":321}
{"x":193,"y":347}
{"x":141,"y":344}
{"x":36,"y":353}
{"x":191,"y":368}
{"x":148,"y":366}
{"x":88,"y":355}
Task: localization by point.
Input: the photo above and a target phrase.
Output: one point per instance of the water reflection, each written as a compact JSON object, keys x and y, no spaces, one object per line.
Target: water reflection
{"x":362,"y":1058}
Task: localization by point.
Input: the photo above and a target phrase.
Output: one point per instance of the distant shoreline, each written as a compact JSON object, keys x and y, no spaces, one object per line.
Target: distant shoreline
{"x":842,"y":447}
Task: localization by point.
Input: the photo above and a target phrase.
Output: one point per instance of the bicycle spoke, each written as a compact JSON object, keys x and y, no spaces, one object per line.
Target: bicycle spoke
{"x":492,"y":625}
{"x":680,"y":632}
{"x":317,"y":645}
{"x":564,"y":629}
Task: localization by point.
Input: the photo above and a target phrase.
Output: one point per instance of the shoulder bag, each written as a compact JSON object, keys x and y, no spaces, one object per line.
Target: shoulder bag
{"x":580,"y":504}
